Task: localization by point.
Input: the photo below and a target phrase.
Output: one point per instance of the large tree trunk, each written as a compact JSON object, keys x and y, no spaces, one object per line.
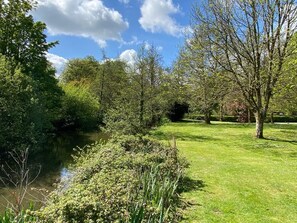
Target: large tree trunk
{"x":259,"y":124}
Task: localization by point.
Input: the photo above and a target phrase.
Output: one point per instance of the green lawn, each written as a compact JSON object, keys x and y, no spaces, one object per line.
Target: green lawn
{"x":235,"y":177}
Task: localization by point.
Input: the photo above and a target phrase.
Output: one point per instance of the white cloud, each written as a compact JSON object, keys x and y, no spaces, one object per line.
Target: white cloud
{"x":148,"y":46}
{"x":134,"y":41}
{"x":159,"y":48}
{"x":57,"y":61}
{"x":86,"y":18}
{"x":124,"y":1}
{"x":129,"y":56}
{"x":156,"y":17}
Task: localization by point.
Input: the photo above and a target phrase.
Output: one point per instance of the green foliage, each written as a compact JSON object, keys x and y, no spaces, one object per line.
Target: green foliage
{"x":23,"y":217}
{"x":126,"y":180}
{"x":206,"y":85}
{"x":144,"y":100}
{"x":19,"y":110}
{"x":22,"y":40}
{"x":105,"y":80}
{"x":24,"y":45}
{"x":156,"y":198}
{"x":123,"y":118}
{"x":132,"y":99}
{"x":228,"y":118}
{"x":110,"y":83}
{"x":278,"y":118}
{"x":80,"y":108}
{"x":80,"y":70}
{"x":200,"y":117}
{"x":284,"y":98}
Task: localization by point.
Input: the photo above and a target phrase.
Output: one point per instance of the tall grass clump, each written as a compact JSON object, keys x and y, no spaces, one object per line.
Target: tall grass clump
{"x":24,"y":216}
{"x":128,"y":179}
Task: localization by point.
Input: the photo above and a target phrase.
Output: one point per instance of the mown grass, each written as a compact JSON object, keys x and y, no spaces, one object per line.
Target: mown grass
{"x":234,"y":177}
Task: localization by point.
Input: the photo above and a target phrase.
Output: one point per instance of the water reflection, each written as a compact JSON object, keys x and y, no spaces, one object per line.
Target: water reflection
{"x":52,"y":161}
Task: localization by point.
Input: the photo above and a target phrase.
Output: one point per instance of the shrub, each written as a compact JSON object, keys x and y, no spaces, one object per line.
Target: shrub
{"x":128,"y":179}
{"x":278,"y":118}
{"x":226,"y":118}
{"x":213,"y":117}
{"x":123,"y":119}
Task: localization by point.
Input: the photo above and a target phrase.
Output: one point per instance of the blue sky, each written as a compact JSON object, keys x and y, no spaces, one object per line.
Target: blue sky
{"x":85,"y":27}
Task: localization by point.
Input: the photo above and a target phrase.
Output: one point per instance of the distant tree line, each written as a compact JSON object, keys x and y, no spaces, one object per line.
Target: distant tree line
{"x":131,"y":98}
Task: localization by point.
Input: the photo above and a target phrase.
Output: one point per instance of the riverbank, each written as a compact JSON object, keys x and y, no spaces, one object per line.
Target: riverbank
{"x":235,"y":177}
{"x":50,"y":163}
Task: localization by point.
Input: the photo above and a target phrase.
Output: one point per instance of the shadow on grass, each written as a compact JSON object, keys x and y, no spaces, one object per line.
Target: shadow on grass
{"x":294,"y":142}
{"x":274,"y":146}
{"x":181,"y":136}
{"x":282,"y":126}
{"x":214,"y":124}
{"x":187,"y":185}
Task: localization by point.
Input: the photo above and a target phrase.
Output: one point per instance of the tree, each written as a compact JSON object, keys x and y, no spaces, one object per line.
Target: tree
{"x":147,"y":86}
{"x":284,"y":98}
{"x":22,"y":40}
{"x":155,"y":71}
{"x":24,"y":45}
{"x":19,"y":126}
{"x":177,"y":92}
{"x":250,"y":39}
{"x":106,"y":79}
{"x":206,"y":84}
{"x":142,"y":102}
{"x":85,"y":69}
{"x":110,"y":82}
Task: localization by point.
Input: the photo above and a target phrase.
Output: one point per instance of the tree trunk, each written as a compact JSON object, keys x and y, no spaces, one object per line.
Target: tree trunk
{"x":207,"y":118}
{"x":271,"y":118}
{"x":221,"y":113}
{"x":249,"y":115}
{"x":259,"y":125}
{"x":141,"y":114}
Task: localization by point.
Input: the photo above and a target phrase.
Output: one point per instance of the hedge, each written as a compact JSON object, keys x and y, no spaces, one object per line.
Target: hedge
{"x":276,"y":118}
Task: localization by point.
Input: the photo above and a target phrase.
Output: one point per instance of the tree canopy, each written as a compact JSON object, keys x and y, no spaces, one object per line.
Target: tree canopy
{"x":249,"y":40}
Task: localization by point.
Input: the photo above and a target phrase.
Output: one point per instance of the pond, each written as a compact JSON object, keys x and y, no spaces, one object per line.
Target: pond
{"x":52,"y":162}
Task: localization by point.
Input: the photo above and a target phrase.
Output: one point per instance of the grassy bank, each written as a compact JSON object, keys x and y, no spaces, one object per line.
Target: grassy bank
{"x":235,"y":177}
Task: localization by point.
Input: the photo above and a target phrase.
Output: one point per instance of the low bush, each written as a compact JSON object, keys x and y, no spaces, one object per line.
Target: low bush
{"x":128,"y":179}
{"x":226,"y":118}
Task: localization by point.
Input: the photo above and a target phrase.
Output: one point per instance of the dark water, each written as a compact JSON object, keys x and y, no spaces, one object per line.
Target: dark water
{"x":52,"y":163}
